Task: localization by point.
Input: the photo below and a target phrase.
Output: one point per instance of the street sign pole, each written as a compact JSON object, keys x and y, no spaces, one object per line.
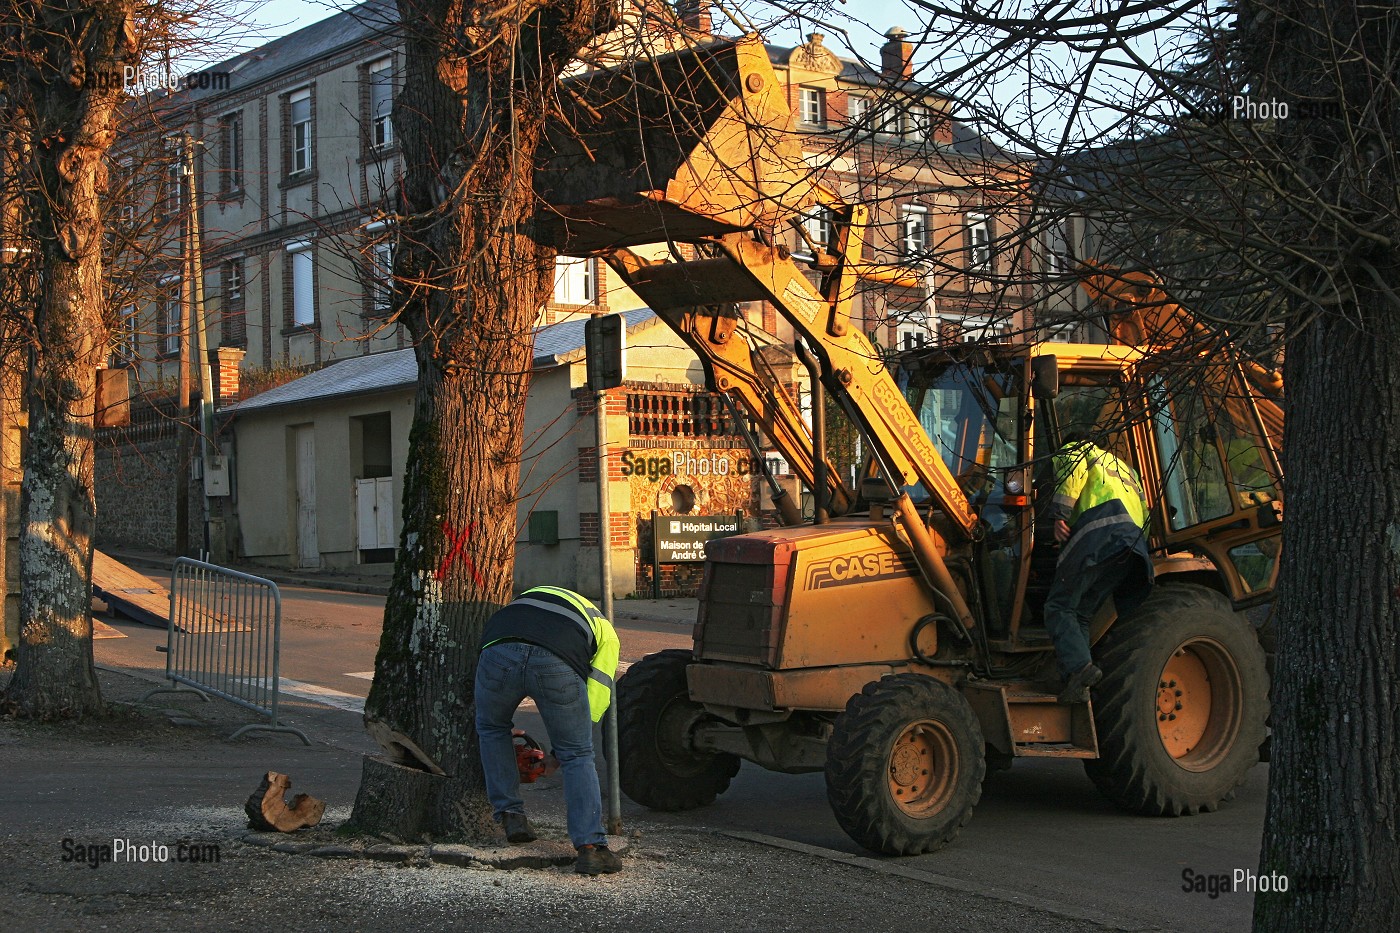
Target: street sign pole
{"x":604,"y":340}
{"x":600,"y":416}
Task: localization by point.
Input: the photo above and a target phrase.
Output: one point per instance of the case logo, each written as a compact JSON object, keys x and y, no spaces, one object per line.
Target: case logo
{"x":860,"y":568}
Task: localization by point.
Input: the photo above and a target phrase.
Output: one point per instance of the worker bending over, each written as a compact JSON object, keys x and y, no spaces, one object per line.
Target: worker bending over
{"x":554,"y":646}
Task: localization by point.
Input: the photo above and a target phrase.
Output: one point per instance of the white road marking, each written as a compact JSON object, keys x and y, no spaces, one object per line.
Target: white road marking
{"x":363,"y":675}
{"x":317,"y":694}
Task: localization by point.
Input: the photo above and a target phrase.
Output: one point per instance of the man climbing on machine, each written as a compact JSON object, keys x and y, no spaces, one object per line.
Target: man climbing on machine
{"x":1100,"y":518}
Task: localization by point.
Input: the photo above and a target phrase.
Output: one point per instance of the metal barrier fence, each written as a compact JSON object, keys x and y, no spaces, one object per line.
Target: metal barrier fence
{"x":224,"y":639}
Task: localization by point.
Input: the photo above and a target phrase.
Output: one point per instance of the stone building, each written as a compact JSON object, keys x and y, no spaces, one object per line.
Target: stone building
{"x":295,"y":161}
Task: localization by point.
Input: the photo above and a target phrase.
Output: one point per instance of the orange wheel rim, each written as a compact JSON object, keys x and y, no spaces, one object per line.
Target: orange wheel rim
{"x":1199,"y":704}
{"x":923,"y":769}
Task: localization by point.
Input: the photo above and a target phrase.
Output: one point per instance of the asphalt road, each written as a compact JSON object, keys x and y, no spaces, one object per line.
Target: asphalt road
{"x":1042,"y":835}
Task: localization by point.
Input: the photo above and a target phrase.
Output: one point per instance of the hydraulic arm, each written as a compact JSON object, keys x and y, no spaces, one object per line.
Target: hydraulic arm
{"x":712,"y":163}
{"x":714,"y":333}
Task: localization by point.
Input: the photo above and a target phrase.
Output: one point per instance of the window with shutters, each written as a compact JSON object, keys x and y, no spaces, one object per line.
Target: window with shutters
{"x":813,"y":106}
{"x":979,"y":242}
{"x":1055,"y":249}
{"x":301,"y":136}
{"x":172,"y":317}
{"x":381,"y":103}
{"x":382,"y":285}
{"x":888,"y":118}
{"x":231,"y":151}
{"x":967,"y":329}
{"x":573,"y":281}
{"x":173,"y":195}
{"x":918,"y":124}
{"x":911,"y":335}
{"x":914,"y":230}
{"x":234,"y":321}
{"x":303,"y":265}
{"x":858,"y":110}
{"x":124,"y":346}
{"x":817,"y":223}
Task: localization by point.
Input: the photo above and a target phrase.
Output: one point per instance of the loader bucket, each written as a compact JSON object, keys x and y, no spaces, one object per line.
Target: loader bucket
{"x":689,"y":144}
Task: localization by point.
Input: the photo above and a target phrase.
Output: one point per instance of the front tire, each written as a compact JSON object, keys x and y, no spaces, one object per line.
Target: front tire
{"x":1181,"y":709}
{"x":657,"y":767}
{"x":904,"y":765}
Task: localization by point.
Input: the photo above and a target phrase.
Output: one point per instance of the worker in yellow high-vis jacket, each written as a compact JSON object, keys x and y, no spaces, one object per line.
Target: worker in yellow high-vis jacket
{"x":554,"y":646}
{"x":1100,"y":519}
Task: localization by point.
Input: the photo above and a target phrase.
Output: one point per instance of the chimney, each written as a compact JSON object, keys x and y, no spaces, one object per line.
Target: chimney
{"x":225,"y":362}
{"x":897,"y":56}
{"x":695,"y":15}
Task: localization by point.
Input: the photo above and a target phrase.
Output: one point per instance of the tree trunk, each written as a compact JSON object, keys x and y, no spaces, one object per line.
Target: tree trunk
{"x":1333,"y":821}
{"x":470,"y":282}
{"x":1332,"y":826}
{"x":71,"y":131}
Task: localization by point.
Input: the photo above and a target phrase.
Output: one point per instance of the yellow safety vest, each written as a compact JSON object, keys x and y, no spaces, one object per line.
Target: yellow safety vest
{"x":606,"y":648}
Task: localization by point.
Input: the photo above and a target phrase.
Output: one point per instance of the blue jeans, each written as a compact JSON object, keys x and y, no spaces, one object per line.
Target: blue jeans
{"x":506,"y":674}
{"x":1075,"y":596}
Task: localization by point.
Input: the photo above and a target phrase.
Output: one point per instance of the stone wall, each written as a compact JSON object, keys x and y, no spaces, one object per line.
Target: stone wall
{"x":136,"y":475}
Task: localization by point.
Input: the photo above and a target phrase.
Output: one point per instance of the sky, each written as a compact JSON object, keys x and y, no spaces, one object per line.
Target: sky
{"x":998,"y":85}
{"x":278,"y":17}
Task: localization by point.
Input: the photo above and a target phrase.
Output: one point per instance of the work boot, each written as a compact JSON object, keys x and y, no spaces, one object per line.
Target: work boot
{"x":1077,"y":689}
{"x":596,"y":860}
{"x":518,"y":828}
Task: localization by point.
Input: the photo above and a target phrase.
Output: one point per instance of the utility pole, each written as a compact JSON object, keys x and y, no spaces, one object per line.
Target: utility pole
{"x":206,"y":377}
{"x":182,"y":391}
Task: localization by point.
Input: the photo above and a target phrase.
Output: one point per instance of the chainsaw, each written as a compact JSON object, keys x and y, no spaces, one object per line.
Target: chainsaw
{"x":531,"y":760}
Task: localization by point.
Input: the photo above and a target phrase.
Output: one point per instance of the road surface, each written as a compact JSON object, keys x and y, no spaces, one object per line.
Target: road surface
{"x":1041,"y":834}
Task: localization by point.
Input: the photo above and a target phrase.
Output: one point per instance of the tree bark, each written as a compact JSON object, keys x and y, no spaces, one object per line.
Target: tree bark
{"x":71,"y":122}
{"x":471,"y":279}
{"x":1332,"y":825}
{"x":1333,"y":820}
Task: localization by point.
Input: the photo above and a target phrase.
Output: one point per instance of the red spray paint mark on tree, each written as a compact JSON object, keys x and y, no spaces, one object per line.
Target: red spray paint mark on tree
{"x":457,"y":551}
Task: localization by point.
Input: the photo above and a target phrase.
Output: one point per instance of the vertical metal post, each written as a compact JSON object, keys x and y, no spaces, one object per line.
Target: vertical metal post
{"x":655,"y":555}
{"x":600,"y":418}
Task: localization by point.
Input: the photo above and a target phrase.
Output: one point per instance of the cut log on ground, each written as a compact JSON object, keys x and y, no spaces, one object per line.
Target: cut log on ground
{"x":268,"y":811}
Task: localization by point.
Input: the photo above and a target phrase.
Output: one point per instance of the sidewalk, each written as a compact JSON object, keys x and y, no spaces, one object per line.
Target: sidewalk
{"x":164,"y":773}
{"x":679,"y":611}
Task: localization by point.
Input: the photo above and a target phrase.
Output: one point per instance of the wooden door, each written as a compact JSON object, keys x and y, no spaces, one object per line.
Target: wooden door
{"x":308,"y":548}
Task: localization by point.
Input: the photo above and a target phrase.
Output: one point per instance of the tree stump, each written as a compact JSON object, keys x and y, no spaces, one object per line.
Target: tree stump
{"x":268,"y":811}
{"x":394,"y":799}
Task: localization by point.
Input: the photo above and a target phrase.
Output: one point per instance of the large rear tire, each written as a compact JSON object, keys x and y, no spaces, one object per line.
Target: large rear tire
{"x":904,"y":765}
{"x":658,"y":768}
{"x":1180,"y":711}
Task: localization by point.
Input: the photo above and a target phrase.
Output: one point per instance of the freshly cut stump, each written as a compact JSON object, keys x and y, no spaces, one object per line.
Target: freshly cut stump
{"x":268,"y":811}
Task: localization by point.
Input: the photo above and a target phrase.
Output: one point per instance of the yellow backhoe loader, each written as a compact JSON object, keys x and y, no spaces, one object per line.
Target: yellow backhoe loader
{"x":895,"y":641}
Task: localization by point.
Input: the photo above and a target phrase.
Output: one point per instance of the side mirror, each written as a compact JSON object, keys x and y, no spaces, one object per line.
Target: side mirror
{"x":1045,"y":377}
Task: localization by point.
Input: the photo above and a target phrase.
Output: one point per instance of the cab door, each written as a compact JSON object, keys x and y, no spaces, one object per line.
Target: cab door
{"x":1218,"y":477}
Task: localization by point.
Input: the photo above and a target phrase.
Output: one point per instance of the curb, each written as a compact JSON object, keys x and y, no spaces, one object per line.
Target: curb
{"x":540,"y":854}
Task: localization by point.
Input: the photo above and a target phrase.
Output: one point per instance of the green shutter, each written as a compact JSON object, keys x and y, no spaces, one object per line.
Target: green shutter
{"x":544,"y":527}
